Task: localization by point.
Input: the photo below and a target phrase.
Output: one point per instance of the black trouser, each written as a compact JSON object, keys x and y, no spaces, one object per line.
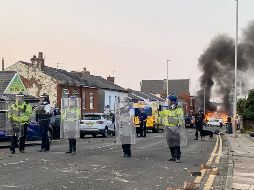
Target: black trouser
{"x":175,"y":152}
{"x":72,"y":145}
{"x":14,"y":142}
{"x":126,"y":149}
{"x":143,"y":129}
{"x":44,"y":125}
{"x":196,"y":134}
{"x":22,"y":140}
{"x":198,"y":128}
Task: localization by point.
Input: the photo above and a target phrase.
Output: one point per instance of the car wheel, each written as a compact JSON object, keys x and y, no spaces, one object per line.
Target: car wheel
{"x":105,"y":132}
{"x":82,"y":135}
{"x":94,"y":135}
{"x":155,"y":129}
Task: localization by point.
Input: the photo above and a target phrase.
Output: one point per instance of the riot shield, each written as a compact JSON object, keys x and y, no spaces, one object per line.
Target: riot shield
{"x":13,"y":127}
{"x":124,"y":123}
{"x":70,"y":118}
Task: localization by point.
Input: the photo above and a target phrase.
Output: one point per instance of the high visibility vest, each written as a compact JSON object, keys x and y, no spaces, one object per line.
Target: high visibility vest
{"x":20,"y":113}
{"x":172,"y":118}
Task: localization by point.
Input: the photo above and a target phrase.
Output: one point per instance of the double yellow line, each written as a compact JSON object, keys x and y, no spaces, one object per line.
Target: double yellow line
{"x":214,"y":157}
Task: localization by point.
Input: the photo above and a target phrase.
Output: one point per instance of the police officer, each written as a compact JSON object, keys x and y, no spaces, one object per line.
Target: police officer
{"x":142,"y":123}
{"x":199,"y":121}
{"x":173,"y":120}
{"x":71,"y":115}
{"x":19,"y":116}
{"x":43,"y":117}
{"x":125,"y":127}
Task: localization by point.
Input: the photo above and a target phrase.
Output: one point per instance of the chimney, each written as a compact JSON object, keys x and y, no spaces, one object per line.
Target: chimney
{"x":85,"y":72}
{"x":2,"y":64}
{"x":111,"y":79}
{"x":40,"y":61}
{"x":33,"y":60}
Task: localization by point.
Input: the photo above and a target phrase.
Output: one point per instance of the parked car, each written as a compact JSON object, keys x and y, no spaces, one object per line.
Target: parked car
{"x":188,"y":121}
{"x":94,"y":124}
{"x":213,"y":122}
{"x":55,"y":123}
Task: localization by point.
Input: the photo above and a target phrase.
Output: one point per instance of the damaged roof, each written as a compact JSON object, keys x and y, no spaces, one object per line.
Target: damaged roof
{"x":5,"y":79}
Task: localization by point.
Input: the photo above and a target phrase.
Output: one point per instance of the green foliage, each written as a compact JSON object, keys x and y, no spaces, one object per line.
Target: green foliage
{"x":249,"y":114}
{"x":245,"y":108}
{"x":241,"y":104}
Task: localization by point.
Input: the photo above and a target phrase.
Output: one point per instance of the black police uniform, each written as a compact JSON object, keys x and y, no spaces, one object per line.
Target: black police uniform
{"x":199,"y":121}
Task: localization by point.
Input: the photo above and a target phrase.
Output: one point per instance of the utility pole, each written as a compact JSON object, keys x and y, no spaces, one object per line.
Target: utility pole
{"x":167,"y":77}
{"x":236,"y":54}
{"x":204,"y":101}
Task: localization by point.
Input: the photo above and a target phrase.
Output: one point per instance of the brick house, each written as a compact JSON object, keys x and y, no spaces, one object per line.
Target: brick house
{"x":188,"y":103}
{"x":108,"y":91}
{"x":39,"y":78}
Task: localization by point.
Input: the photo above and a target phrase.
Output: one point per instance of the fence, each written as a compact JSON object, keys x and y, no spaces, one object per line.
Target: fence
{"x":247,"y":125}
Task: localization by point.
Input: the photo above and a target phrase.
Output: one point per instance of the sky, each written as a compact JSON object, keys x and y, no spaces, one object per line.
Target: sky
{"x":128,"y":39}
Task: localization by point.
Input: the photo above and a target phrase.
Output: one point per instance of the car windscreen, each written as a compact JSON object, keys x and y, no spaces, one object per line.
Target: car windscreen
{"x":91,"y":117}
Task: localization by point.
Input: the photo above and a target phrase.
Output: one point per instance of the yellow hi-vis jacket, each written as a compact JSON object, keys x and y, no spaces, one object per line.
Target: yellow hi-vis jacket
{"x":172,"y":118}
{"x":20,"y":113}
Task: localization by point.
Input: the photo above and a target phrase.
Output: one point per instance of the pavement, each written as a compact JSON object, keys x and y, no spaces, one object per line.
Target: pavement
{"x":99,"y":164}
{"x":241,"y":162}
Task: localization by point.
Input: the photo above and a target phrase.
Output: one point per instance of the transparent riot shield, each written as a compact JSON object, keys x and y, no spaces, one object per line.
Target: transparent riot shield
{"x":124,"y":123}
{"x":70,"y":118}
{"x":13,"y":126}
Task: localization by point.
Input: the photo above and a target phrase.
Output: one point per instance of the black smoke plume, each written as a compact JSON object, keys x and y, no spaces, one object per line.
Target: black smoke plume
{"x":218,"y":63}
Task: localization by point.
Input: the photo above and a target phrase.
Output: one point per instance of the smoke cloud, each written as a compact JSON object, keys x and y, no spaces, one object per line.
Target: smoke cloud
{"x":218,"y":63}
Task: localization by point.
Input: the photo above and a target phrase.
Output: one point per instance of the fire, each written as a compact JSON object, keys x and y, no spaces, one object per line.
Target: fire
{"x":216,"y":115}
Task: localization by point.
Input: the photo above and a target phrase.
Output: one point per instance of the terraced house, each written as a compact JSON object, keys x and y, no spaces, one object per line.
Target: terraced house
{"x":96,"y":93}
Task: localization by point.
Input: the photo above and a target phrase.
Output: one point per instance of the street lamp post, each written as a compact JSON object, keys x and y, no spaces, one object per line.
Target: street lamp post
{"x":236,"y":52}
{"x":204,"y":101}
{"x":167,"y":77}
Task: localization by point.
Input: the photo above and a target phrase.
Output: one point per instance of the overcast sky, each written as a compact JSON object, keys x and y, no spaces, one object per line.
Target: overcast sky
{"x":129,"y":39}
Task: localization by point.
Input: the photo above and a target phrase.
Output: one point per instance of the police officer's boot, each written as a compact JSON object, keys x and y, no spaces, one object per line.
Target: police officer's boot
{"x":70,"y":147}
{"x":73,"y":146}
{"x":196,"y":135}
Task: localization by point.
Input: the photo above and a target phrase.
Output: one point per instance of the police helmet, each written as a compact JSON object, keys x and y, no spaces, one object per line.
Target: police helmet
{"x":172,"y":98}
{"x":45,"y":97}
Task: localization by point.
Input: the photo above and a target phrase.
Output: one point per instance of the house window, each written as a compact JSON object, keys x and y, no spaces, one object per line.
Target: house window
{"x":65,"y":93}
{"x":84,"y":100}
{"x":91,"y":101}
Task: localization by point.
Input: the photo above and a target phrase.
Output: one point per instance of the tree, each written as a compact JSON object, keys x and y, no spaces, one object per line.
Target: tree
{"x":249,"y":106}
{"x":241,"y":106}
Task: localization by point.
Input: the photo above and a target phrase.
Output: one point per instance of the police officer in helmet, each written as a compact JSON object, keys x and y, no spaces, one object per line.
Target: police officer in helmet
{"x":71,"y":115}
{"x":19,"y":117}
{"x":173,"y":121}
{"x":199,"y":122}
{"x":43,"y":117}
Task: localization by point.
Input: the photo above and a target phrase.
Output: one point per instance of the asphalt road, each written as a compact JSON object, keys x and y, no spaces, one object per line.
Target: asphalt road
{"x":99,"y":164}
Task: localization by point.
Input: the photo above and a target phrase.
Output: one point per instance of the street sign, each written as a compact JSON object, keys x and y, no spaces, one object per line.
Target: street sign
{"x":15,"y":86}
